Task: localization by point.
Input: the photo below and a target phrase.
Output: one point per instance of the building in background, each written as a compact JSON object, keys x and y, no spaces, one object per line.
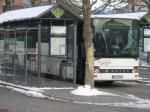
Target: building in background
{"x":1,"y":6}
{"x":6,"y":5}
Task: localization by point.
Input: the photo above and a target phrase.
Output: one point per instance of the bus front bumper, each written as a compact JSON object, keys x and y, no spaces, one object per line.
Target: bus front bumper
{"x":115,"y":76}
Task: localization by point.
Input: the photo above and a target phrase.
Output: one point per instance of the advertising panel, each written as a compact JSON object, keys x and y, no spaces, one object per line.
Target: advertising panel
{"x":58,"y":46}
{"x":146,"y":40}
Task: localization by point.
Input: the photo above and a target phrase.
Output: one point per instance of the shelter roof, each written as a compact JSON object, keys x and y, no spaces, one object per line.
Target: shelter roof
{"x":135,"y":16}
{"x":31,"y":13}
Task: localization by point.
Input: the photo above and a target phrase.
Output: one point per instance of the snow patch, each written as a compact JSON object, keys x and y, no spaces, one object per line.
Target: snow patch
{"x":41,"y":89}
{"x":137,"y":103}
{"x":34,"y":92}
{"x":87,"y":91}
{"x":55,"y":88}
{"x":144,"y":64}
{"x":29,"y":93}
{"x":136,"y":15}
{"x":144,"y":79}
{"x":26,"y":13}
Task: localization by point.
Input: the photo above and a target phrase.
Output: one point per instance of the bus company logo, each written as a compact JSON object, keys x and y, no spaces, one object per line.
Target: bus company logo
{"x":105,"y":62}
{"x":57,"y":12}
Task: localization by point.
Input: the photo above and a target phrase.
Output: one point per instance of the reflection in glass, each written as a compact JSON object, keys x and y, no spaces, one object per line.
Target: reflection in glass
{"x":20,"y":64}
{"x":32,"y":48}
{"x":1,"y":41}
{"x":1,"y":52}
{"x":114,"y":38}
{"x":8,"y":64}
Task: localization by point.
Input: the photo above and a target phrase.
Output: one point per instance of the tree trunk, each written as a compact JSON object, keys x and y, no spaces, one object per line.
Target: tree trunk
{"x":87,"y":34}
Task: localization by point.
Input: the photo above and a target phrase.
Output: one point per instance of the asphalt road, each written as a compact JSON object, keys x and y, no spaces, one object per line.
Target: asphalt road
{"x":11,"y":101}
{"x":133,"y":88}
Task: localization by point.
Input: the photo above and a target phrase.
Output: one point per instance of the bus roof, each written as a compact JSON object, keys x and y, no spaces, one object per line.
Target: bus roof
{"x":134,"y":16}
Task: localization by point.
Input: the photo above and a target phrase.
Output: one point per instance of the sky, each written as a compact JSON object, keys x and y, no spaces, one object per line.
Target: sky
{"x":100,"y":3}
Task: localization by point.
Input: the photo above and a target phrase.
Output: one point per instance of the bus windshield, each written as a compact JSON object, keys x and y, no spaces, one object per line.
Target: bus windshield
{"x":115,"y":38}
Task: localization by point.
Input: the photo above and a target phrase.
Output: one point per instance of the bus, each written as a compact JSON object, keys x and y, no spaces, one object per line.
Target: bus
{"x":116,"y":46}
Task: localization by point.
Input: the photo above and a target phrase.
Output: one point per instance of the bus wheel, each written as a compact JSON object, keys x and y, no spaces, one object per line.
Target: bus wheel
{"x":108,"y":82}
{"x":62,"y":71}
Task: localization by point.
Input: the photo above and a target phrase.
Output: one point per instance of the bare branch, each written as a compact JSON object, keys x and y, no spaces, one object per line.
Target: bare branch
{"x":94,"y":3}
{"x":108,"y":4}
{"x":72,"y":3}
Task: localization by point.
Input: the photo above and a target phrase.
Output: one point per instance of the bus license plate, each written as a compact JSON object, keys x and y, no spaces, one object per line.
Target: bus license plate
{"x":117,"y":77}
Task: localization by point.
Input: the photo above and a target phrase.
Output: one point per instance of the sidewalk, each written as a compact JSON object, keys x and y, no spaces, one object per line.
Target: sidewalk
{"x":63,"y":93}
{"x":145,"y":75}
{"x":144,"y":67}
{"x":60,"y":90}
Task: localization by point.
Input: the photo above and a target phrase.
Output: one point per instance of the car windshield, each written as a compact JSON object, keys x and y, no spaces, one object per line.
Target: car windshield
{"x":113,"y":38}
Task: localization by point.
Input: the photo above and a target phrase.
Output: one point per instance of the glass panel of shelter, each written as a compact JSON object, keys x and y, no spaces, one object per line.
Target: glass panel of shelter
{"x":56,"y":54}
{"x":53,"y":52}
{"x":27,"y":50}
{"x":32,"y":57}
{"x":70,"y":52}
{"x":8,"y":64}
{"x":19,"y":55}
{"x":1,"y":53}
{"x":45,"y":34}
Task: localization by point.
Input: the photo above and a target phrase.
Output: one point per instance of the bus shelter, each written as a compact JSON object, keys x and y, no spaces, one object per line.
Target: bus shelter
{"x":145,"y":29}
{"x":38,"y":44}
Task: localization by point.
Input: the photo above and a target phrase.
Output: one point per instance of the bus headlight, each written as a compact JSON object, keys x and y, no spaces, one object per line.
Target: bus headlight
{"x":136,"y":69}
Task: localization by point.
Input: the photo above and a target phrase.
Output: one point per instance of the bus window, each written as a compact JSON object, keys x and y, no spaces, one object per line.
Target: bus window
{"x":115,"y":41}
{"x":116,"y":44}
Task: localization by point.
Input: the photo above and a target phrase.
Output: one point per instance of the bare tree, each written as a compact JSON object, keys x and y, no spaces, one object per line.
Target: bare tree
{"x":132,"y":5}
{"x":87,"y":35}
{"x":8,"y":5}
{"x":116,"y":5}
{"x":146,"y":4}
{"x":138,"y":5}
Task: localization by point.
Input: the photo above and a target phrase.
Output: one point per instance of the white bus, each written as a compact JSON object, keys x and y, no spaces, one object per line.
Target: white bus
{"x":116,"y":46}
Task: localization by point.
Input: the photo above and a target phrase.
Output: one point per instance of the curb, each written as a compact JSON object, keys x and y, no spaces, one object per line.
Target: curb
{"x":143,"y":81}
{"x":55,"y":98}
{"x":47,"y":96}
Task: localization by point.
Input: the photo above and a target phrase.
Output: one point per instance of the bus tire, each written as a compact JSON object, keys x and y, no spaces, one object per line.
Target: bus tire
{"x":108,"y":82}
{"x":62,"y":73}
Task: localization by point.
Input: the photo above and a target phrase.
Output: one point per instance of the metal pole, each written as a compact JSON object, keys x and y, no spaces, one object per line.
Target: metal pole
{"x":14,"y":55}
{"x":148,"y":58}
{"x":26,"y":75}
{"x":39,"y":50}
{"x":4,"y":43}
{"x":4,"y":61}
{"x":75,"y":54}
